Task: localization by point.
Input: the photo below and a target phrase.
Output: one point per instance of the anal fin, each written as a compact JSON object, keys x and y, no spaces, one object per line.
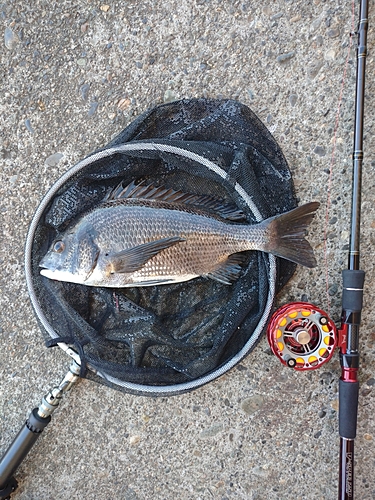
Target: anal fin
{"x":230,"y":270}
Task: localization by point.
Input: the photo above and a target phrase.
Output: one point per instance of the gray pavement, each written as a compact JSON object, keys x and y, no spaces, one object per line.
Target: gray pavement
{"x":73,"y":74}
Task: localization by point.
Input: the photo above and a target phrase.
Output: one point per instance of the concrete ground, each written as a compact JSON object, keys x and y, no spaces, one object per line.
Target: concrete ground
{"x":74,"y":74}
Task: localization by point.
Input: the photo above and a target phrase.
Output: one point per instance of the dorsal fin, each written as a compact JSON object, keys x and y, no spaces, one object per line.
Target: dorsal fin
{"x":143,"y":191}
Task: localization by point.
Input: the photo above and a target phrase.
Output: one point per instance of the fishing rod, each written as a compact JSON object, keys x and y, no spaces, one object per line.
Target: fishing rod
{"x":302,"y":336}
{"x":353,"y":280}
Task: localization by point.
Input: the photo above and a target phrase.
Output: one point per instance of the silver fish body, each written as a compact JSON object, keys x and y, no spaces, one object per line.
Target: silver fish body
{"x":162,"y":237}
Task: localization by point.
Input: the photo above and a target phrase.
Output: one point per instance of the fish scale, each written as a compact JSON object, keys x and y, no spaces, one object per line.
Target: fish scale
{"x":208,"y":241}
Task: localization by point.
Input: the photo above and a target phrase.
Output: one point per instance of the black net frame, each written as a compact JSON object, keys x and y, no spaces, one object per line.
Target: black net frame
{"x":172,"y":338}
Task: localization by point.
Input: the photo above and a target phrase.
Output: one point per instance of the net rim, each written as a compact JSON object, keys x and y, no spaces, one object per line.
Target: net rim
{"x":133,"y":387}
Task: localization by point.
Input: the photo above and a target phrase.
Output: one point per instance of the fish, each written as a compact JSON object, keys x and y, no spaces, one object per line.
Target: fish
{"x":144,"y":235}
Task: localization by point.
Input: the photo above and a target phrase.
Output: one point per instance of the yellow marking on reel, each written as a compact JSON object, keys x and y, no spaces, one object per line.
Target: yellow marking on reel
{"x":305,"y":313}
{"x":278,"y":333}
{"x":283,"y":322}
{"x":312,"y":359}
{"x":300,"y":361}
{"x":293,"y":314}
{"x":322,"y":351}
{"x":280,"y":345}
{"x":327,"y":340}
{"x":325,"y":328}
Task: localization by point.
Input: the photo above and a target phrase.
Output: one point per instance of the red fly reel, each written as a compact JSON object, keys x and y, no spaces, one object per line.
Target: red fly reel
{"x":302,"y":336}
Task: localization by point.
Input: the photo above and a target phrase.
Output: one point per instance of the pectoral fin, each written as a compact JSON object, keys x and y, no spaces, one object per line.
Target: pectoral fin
{"x":132,"y":259}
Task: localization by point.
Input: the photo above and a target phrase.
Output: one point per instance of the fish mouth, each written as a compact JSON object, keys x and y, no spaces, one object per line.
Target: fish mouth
{"x":47,"y":268}
{"x":48,"y":273}
{"x":50,"y":270}
{"x":58,"y":275}
{"x":47,"y":263}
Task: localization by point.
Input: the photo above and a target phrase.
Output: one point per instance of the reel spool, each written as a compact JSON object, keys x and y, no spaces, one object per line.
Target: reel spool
{"x":302,"y":336}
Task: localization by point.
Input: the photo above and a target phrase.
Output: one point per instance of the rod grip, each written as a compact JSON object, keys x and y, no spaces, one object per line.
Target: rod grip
{"x":352,"y":294}
{"x":18,"y":450}
{"x":348,"y":408}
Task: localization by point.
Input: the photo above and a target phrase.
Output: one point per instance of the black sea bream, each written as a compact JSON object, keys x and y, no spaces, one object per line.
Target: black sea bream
{"x":143,"y":235}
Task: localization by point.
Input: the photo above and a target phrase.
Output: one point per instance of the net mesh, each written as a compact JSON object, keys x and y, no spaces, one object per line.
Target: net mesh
{"x":166,"y":336}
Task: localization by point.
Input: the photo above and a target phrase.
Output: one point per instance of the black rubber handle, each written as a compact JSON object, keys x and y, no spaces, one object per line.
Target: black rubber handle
{"x":18,"y":450}
{"x":8,"y":489}
{"x":352,"y":293}
{"x":348,"y":408}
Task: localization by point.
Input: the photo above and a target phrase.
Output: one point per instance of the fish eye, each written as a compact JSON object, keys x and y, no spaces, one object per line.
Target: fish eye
{"x":59,"y":246}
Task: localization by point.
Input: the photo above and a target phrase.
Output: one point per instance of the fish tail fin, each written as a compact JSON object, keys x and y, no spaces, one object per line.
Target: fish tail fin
{"x":287,"y":235}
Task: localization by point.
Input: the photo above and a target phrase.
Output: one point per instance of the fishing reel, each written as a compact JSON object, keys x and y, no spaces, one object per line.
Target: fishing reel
{"x":302,"y":336}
